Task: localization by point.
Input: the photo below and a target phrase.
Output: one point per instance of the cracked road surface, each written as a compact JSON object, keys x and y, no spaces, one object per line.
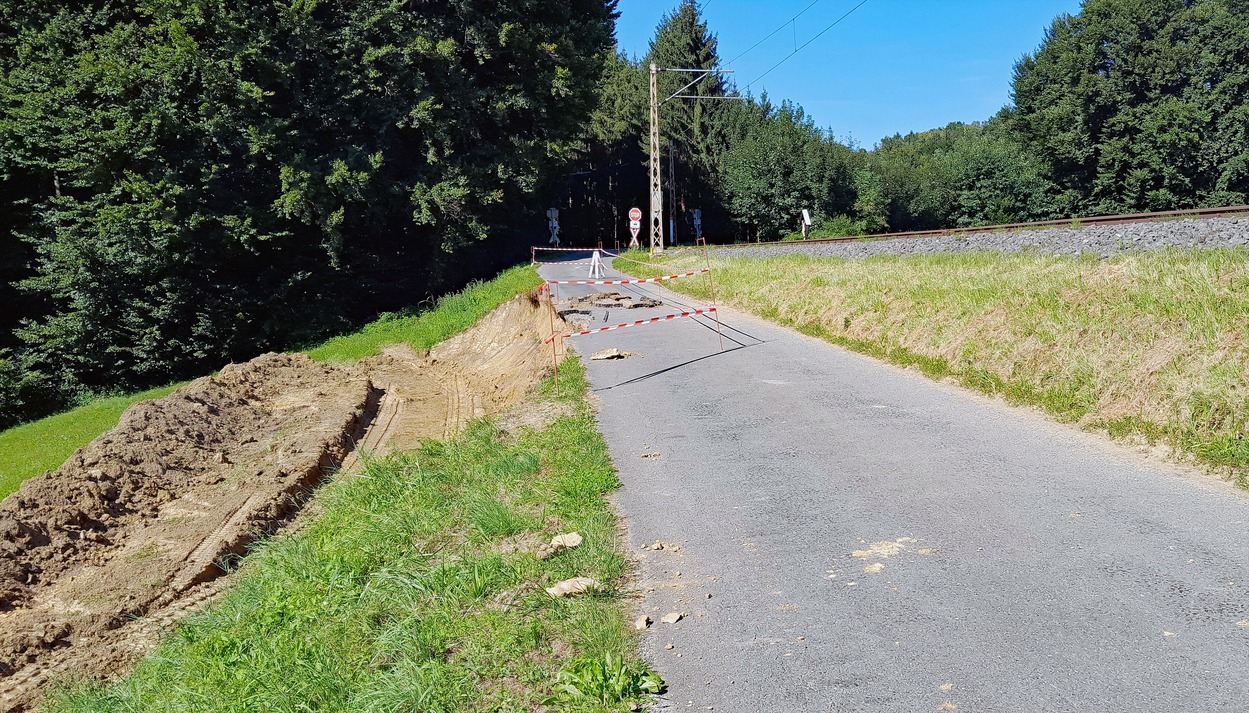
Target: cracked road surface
{"x":876,"y":541}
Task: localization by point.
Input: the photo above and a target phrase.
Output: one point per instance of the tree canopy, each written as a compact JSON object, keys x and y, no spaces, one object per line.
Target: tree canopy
{"x":204,"y":180}
{"x":1140,"y":104}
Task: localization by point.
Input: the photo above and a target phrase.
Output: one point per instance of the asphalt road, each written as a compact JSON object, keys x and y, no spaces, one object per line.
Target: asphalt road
{"x":876,"y":541}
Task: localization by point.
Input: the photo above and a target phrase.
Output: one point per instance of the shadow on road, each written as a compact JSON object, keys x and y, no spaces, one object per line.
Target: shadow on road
{"x":674,"y":367}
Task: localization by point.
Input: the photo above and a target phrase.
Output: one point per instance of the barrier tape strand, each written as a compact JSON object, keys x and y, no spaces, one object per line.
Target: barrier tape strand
{"x":625,"y":282}
{"x":638,"y":323}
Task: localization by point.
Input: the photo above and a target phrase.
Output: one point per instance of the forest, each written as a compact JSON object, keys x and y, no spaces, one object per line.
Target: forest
{"x":183,"y":184}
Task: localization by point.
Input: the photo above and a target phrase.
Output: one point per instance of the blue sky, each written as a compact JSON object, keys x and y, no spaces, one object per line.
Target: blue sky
{"x":892,"y":66}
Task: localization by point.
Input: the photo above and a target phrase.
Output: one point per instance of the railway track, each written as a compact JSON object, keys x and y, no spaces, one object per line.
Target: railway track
{"x":1229,"y":211}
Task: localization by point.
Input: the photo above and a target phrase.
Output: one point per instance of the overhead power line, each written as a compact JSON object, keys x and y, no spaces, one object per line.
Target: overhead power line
{"x":785,"y":24}
{"x":813,"y":39}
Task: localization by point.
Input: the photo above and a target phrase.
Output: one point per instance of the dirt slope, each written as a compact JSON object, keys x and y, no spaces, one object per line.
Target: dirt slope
{"x":102,"y":555}
{"x":474,"y":374}
{"x":137,"y":519}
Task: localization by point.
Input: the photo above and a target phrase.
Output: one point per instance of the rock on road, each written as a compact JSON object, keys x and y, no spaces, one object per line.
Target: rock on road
{"x":876,"y":541}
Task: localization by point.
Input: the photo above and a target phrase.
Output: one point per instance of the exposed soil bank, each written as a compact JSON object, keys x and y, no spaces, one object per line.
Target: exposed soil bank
{"x":133,"y":531}
{"x":132,"y":523}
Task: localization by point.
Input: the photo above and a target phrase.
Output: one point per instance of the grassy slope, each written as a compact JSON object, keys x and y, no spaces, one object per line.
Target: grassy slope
{"x":36,"y":447}
{"x":390,"y":600}
{"x":1151,"y":345}
{"x":453,"y":314}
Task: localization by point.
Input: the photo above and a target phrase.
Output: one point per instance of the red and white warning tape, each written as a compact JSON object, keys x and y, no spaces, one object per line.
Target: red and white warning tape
{"x":574,"y":250}
{"x":639,"y":262}
{"x":625,"y":282}
{"x":640,"y":322}
{"x":574,"y":264}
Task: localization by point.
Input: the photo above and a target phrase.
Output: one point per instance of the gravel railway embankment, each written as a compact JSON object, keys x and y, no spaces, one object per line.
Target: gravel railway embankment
{"x":1099,"y":240}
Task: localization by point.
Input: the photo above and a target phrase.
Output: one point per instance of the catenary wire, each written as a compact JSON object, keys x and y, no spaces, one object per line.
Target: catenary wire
{"x":769,"y":36}
{"x":813,"y":39}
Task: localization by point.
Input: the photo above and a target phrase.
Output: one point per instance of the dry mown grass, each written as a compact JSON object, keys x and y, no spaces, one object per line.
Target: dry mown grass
{"x":1150,"y":345}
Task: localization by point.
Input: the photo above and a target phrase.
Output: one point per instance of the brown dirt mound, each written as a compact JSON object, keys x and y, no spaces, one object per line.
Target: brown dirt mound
{"x":130,"y":534}
{"x":132,"y":523}
{"x":474,"y":374}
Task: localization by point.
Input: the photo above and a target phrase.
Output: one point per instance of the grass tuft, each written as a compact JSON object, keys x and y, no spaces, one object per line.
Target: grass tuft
{"x":492,"y":520}
{"x":605,"y":680}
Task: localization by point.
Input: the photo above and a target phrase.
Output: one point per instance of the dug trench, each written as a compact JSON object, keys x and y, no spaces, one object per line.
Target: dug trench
{"x":136,"y":530}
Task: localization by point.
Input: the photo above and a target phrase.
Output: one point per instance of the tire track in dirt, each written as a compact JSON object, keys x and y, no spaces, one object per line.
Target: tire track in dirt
{"x":433,"y":395}
{"x":200,"y":563}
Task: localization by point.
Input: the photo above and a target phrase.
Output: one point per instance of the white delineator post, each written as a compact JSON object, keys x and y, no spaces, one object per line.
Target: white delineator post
{"x":596,"y":266}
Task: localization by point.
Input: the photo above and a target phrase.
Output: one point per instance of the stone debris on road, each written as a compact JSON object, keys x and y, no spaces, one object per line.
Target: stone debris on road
{"x":611,"y":300}
{"x":672,"y":617}
{"x":642,"y":623}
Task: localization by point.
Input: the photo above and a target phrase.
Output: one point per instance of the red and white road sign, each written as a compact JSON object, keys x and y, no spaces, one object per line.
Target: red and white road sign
{"x":635,"y":214}
{"x":635,"y":227}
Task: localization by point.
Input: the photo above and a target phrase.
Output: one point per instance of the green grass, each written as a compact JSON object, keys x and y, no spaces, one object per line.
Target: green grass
{"x":453,"y":314}
{"x":34,"y":448}
{"x":39,"y":446}
{"x":1151,"y":347}
{"x":392,"y":600}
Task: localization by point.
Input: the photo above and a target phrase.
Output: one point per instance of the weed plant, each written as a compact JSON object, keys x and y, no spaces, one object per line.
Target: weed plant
{"x":402,"y":595}
{"x":1151,"y":346}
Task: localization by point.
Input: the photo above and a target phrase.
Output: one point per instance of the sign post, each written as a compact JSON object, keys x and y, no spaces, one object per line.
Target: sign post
{"x":552,"y":216}
{"x":635,"y":226}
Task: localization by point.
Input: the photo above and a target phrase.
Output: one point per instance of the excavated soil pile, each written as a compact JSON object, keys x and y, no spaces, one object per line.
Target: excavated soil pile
{"x":474,"y":374}
{"x":137,"y":522}
{"x":100,"y":556}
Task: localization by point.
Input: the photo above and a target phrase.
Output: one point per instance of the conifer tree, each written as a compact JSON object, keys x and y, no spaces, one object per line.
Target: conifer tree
{"x":208,"y":180}
{"x":1140,"y":104}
